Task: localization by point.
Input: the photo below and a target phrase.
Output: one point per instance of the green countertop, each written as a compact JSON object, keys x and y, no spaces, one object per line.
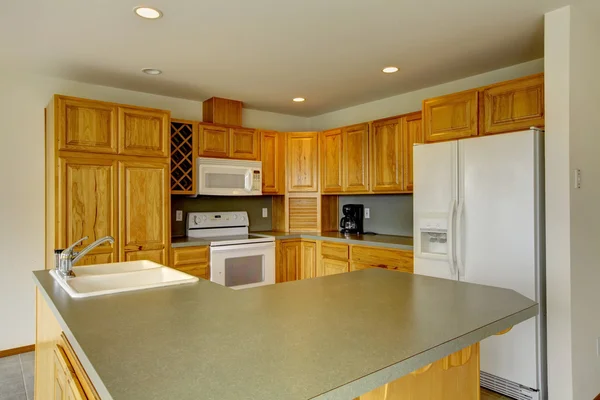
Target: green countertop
{"x":334,"y":337}
{"x":388,"y":241}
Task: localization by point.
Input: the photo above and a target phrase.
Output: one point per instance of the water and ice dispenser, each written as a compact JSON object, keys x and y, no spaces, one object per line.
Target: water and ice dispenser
{"x":432,"y":240}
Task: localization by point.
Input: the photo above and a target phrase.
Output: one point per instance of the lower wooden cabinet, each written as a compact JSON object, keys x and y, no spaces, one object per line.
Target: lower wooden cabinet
{"x":191,"y":260}
{"x":295,"y":259}
{"x":308,"y":259}
{"x":66,"y":383}
{"x":368,"y":257}
{"x":332,"y":267}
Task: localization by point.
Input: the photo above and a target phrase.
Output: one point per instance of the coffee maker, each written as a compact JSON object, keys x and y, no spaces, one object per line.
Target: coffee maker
{"x":352,"y":221}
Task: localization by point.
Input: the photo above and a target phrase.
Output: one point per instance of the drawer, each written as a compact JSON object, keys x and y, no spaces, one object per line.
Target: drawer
{"x":400,"y":260}
{"x":336,"y":251}
{"x":359,"y":266}
{"x":199,"y":270}
{"x":190,"y":255}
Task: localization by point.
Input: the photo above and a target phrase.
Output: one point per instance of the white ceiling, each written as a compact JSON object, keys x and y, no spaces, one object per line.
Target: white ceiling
{"x":265,"y":52}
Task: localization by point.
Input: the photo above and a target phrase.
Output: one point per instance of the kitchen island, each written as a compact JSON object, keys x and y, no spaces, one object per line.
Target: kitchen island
{"x":373,"y":333}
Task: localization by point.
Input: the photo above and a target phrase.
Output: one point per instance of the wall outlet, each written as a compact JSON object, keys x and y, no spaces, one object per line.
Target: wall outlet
{"x":367,"y":213}
{"x":265,"y":212}
{"x":179,"y":215}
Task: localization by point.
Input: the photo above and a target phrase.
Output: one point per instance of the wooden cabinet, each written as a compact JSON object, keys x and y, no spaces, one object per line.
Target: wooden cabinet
{"x":85,"y":125}
{"x":144,"y":132}
{"x":356,"y":158}
{"x":184,"y":150}
{"x":222,"y":111}
{"x":288,"y":260}
{"x":334,"y":259}
{"x":191,"y":260}
{"x":87,"y":204}
{"x":272,"y":154}
{"x":366,"y":256}
{"x":213,"y":141}
{"x":144,"y":210}
{"x":331,"y":161}
{"x":308,"y":259}
{"x":454,"y":116}
{"x":332,"y":267}
{"x":513,"y":106}
{"x":302,"y":161}
{"x":386,"y":157}
{"x":66,"y":384}
{"x":412,"y":133}
{"x":245,"y":144}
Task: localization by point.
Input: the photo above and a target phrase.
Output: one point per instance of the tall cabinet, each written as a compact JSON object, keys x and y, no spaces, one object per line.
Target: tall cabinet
{"x":107,"y":173}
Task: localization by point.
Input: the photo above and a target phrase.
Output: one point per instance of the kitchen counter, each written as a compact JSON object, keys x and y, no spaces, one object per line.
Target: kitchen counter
{"x":388,"y":241}
{"x":334,"y":337}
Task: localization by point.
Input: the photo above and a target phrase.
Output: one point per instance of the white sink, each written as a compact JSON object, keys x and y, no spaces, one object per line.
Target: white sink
{"x":101,"y":279}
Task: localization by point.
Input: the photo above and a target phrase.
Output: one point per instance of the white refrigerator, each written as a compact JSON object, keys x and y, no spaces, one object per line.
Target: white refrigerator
{"x":479,"y":218}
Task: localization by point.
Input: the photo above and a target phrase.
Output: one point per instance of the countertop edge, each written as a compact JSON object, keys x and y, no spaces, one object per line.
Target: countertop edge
{"x":85,"y":363}
{"x":398,"y":370}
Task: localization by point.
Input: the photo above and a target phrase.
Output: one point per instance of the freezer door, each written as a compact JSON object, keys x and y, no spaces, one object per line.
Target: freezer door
{"x":435,"y":172}
{"x":496,"y":242}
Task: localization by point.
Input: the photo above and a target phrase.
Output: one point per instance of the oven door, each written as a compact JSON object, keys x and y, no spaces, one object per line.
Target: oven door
{"x":243,"y":266}
{"x":224,"y":180}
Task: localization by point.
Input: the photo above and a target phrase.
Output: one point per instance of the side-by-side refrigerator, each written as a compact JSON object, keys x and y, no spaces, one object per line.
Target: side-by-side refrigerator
{"x":479,"y":218}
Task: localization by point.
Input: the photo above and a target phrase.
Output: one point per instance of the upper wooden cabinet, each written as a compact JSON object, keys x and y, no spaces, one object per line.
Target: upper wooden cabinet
{"x":454,"y":116}
{"x":514,"y":105}
{"x":145,"y":212}
{"x":272,"y":154}
{"x":303,"y":161}
{"x":331,"y":161}
{"x":413,"y":133}
{"x":144,"y":132}
{"x":222,"y":111}
{"x":245,"y":144}
{"x":356,"y":158}
{"x":213,"y":141}
{"x":183,"y":156}
{"x":386,"y":156}
{"x":85,"y":125}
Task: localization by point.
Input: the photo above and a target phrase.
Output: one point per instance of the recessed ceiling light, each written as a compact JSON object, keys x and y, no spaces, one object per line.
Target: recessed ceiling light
{"x":390,"y":70}
{"x":298,"y":99}
{"x":148,"y":12}
{"x":152,"y":71}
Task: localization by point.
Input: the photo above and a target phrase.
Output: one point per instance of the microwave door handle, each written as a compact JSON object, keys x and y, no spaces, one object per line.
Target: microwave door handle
{"x":248,"y":181}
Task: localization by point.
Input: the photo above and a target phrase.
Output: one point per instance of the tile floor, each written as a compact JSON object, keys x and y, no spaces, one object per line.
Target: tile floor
{"x":16,"y":377}
{"x":489,"y":395}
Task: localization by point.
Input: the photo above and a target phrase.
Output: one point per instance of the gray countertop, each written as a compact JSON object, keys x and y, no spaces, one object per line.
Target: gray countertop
{"x":388,"y":241}
{"x":334,"y":337}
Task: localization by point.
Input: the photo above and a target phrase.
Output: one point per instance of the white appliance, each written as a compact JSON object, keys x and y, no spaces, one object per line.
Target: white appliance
{"x":238,"y":259}
{"x":223,"y":177}
{"x":479,"y":217}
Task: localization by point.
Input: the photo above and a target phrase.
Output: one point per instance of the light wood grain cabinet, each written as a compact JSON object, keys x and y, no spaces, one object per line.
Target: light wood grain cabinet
{"x":191,"y":260}
{"x":513,"y":106}
{"x":272,"y":154}
{"x":308,"y":259}
{"x":222,"y":111}
{"x":144,"y":132}
{"x":302,"y":161}
{"x":386,"y":155}
{"x":331,"y":162}
{"x":288,"y":260}
{"x":213,"y":141}
{"x":66,"y":383}
{"x":333,"y":267}
{"x":244,"y":144}
{"x":413,"y":133}
{"x":184,"y":150}
{"x":85,"y":125}
{"x":454,"y":116}
{"x":394,"y":259}
{"x":144,"y":209}
{"x":356,"y":158}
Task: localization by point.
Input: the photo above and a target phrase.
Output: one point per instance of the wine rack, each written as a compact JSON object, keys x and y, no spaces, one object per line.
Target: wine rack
{"x":183,"y":134}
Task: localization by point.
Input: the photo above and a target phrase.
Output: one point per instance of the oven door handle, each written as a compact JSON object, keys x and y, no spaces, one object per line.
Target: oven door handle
{"x":253,"y":246}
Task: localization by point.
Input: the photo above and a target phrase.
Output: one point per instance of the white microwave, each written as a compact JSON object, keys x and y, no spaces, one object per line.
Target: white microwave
{"x":223,"y":177}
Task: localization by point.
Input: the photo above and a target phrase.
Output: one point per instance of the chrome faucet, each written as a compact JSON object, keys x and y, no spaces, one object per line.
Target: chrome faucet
{"x":69,"y":257}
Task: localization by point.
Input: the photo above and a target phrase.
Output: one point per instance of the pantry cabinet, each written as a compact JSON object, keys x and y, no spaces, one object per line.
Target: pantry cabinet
{"x":331,"y":161}
{"x":386,"y":156}
{"x":302,"y":162}
{"x":272,"y":153}
{"x":450,"y":117}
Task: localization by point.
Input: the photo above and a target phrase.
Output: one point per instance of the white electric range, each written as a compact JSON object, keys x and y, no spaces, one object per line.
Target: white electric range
{"x":238,"y":259}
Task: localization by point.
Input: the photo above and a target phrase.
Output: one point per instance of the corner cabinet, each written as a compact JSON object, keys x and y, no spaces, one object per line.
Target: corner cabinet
{"x":450,"y":117}
{"x":295,"y":260}
{"x":303,"y":161}
{"x":272,"y":153}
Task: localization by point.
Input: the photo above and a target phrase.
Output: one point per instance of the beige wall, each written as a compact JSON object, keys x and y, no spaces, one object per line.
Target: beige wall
{"x":22,"y":102}
{"x":409,"y":102}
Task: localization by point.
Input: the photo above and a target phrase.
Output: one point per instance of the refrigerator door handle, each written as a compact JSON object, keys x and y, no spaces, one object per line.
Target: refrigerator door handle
{"x":459,"y":240}
{"x":450,"y":239}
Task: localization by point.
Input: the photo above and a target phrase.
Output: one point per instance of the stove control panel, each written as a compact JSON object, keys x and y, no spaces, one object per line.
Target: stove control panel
{"x":199,"y":220}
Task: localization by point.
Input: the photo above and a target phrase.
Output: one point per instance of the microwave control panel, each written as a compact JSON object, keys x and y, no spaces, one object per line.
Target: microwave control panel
{"x":256,"y":182}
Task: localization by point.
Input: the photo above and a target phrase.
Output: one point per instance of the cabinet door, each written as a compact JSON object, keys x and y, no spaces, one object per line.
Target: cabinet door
{"x":303,"y":161}
{"x":355,"y":165}
{"x":272,"y":154}
{"x":412,"y":131}
{"x":244,"y":144}
{"x":331,"y":163}
{"x":514,"y":105}
{"x":144,"y":210}
{"x":74,"y":390}
{"x":451,"y":117}
{"x":191,"y":260}
{"x":61,"y":373}
{"x":86,"y":125}
{"x":87,"y":205}
{"x":214,"y":141}
{"x":386,"y":174}
{"x":308,"y":263}
{"x":288,"y":261}
{"x":332,"y":267}
{"x":144,"y":132}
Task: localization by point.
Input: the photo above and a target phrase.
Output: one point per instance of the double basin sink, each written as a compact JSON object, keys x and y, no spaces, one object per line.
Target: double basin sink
{"x":102,"y":279}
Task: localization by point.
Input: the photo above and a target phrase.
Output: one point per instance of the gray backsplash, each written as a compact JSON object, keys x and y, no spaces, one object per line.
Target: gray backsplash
{"x":391,"y":214}
{"x":251,"y":204}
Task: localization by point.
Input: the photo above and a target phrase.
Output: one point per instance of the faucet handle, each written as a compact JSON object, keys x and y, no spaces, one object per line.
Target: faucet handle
{"x":69,"y":250}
